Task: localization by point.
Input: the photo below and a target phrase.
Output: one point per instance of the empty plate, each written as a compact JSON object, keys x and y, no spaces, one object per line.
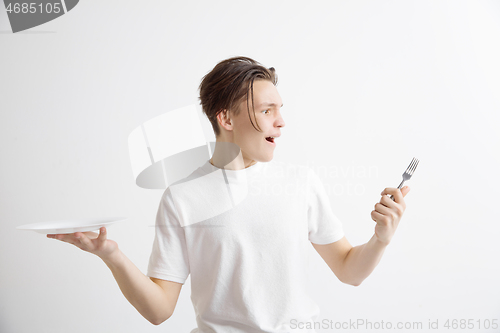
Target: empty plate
{"x":71,"y":226}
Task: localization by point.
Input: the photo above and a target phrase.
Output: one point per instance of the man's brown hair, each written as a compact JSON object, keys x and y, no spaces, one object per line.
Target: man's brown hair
{"x":228,"y":83}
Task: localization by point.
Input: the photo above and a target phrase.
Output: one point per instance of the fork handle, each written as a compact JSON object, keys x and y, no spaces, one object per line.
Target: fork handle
{"x":400,"y":185}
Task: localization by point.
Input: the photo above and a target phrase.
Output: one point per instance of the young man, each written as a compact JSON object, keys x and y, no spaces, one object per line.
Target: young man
{"x":247,"y":261}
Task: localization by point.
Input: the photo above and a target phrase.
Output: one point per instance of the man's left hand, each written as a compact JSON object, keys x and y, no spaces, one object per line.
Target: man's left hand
{"x":388,"y":213}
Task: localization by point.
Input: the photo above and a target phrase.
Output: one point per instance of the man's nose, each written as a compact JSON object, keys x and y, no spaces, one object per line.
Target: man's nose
{"x":280,"y":121}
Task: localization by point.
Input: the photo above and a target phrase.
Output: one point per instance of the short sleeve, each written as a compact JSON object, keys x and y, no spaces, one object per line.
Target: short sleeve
{"x":324,"y":225}
{"x":169,"y":257}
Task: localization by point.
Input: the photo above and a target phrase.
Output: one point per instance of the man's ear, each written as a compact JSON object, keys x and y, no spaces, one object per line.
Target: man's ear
{"x":224,"y":120}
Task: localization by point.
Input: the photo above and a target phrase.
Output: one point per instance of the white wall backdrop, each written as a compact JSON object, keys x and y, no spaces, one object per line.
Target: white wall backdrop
{"x":366,"y":85}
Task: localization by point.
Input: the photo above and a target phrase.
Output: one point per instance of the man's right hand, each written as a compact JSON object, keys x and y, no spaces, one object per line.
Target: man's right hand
{"x":154,"y":299}
{"x":91,"y":242}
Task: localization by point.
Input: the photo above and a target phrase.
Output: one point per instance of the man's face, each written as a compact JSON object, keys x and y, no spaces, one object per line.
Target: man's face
{"x":253,"y":143}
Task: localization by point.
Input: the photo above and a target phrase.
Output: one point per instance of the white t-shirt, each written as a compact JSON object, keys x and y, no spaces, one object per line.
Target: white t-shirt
{"x":243,"y":235}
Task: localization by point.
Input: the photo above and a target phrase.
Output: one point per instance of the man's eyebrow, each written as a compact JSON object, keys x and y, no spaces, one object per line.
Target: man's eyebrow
{"x":269,"y":104}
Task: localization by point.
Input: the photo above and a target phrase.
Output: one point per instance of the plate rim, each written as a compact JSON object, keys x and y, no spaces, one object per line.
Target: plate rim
{"x":32,"y":226}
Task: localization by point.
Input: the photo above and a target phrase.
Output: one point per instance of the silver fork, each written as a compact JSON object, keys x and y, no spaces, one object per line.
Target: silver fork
{"x":408,"y":173}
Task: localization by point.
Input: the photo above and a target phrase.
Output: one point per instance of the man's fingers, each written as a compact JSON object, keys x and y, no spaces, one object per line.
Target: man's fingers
{"x":84,"y":240}
{"x":63,"y":237}
{"x":380,"y":208}
{"x":405,"y":190}
{"x":67,"y":238}
{"x":379,"y":218}
{"x":90,"y":235}
{"x":87,"y":241}
{"x":103,"y":235}
{"x":399,"y":208}
{"x":398,"y":195}
{"x":394,"y":192}
{"x":388,"y":202}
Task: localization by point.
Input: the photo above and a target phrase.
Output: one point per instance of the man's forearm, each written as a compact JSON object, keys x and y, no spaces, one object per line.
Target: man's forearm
{"x":361,"y":260}
{"x":146,"y":296}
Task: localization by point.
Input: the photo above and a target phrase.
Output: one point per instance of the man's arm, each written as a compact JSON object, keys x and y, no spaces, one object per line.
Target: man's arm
{"x":154,"y":299}
{"x":351,"y":264}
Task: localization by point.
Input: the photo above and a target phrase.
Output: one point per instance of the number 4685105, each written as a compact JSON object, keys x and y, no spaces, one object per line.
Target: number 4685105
{"x":33,"y":8}
{"x":471,"y":324}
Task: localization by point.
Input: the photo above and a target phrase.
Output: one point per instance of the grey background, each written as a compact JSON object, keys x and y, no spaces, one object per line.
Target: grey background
{"x":366,"y":85}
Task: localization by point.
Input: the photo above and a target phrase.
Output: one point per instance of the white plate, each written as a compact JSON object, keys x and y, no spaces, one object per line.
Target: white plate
{"x":71,"y":226}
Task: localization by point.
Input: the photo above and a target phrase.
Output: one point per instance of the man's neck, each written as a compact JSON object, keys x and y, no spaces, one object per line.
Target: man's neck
{"x":230,"y":157}
{"x":236,"y":164}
